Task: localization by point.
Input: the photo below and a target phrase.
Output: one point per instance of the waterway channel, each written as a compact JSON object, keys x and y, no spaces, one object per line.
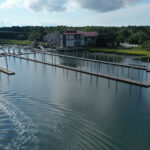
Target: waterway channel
{"x":44,"y":107}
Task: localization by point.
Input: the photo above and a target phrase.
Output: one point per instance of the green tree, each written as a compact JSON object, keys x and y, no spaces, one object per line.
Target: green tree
{"x":146,"y":45}
{"x":123,"y":34}
{"x":138,"y":38}
{"x":37,"y":33}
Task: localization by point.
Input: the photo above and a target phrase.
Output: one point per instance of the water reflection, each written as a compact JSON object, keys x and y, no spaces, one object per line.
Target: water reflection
{"x":97,"y":67}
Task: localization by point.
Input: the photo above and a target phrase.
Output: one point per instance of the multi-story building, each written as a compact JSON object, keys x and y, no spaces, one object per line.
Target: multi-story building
{"x":72,"y":38}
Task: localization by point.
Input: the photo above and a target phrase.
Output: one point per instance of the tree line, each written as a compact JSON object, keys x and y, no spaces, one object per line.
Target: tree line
{"x":108,"y":36}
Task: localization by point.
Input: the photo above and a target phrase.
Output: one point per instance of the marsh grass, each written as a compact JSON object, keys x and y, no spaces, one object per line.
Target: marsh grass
{"x":122,"y":51}
{"x":16,"y":42}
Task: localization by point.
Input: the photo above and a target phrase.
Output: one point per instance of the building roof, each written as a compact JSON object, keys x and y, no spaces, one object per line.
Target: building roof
{"x":75,"y":32}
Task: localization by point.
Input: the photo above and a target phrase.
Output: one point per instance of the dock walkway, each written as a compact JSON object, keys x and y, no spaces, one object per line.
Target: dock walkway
{"x":6,"y":71}
{"x":87,"y":72}
{"x":98,"y":61}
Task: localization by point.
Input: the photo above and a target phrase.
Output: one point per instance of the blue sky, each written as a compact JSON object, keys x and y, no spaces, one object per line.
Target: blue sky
{"x":74,"y":12}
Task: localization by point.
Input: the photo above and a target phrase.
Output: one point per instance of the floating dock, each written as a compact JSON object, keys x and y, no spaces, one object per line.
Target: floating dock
{"x":25,"y":53}
{"x":98,"y":61}
{"x":87,"y":72}
{"x":6,"y":71}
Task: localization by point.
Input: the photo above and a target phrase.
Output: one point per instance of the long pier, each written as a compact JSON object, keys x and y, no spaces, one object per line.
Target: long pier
{"x":25,"y":53}
{"x":98,"y":61}
{"x":86,"y":72}
{"x":6,"y":71}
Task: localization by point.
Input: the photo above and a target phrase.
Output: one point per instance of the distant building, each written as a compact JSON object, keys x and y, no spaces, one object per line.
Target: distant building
{"x":72,"y":38}
{"x":53,"y":38}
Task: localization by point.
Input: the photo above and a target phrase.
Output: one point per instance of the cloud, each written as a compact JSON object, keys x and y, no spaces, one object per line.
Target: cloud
{"x":63,"y":5}
{"x":11,"y":4}
{"x":105,"y":5}
{"x":46,"y":5}
{"x":122,"y":17}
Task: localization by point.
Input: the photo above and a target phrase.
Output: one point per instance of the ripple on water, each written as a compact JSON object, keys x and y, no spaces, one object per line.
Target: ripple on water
{"x":17,"y":131}
{"x":60,"y":128}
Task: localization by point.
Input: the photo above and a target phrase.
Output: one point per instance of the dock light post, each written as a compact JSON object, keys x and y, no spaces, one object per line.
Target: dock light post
{"x":129,"y":60}
{"x":131,"y":72}
{"x":147,"y":62}
{"x":114,"y":59}
{"x":128,"y":72}
{"x":81,"y":65}
{"x":117,"y":72}
{"x":139,"y":74}
{"x":26,"y":55}
{"x":99,"y":67}
{"x":146,"y":76}
{"x":140,"y":61}
{"x":113,"y":69}
{"x":13,"y":51}
{"x":122,"y":70}
{"x":52,"y":59}
{"x":44,"y":58}
{"x":8,"y":50}
{"x":87,"y":64}
{"x":83,"y":54}
{"x":107,"y":67}
{"x":142,"y":76}
{"x":6,"y":62}
{"x":34,"y":56}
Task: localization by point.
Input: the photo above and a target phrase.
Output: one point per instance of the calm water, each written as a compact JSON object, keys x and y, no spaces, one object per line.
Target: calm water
{"x":47,"y":108}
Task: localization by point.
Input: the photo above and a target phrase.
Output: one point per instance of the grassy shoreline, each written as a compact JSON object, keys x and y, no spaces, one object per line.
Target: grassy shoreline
{"x":122,"y":51}
{"x":16,"y":42}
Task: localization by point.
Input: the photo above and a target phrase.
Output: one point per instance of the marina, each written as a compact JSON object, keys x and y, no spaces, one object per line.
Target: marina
{"x":74,"y":75}
{"x":62,"y":89}
{"x":86,"y":72}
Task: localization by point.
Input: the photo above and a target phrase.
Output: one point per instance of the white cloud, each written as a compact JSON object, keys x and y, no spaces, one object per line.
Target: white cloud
{"x":63,"y":5}
{"x":11,"y":4}
{"x":72,"y":6}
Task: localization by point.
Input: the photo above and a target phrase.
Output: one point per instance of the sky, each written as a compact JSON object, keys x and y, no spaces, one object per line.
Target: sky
{"x":74,"y":12}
